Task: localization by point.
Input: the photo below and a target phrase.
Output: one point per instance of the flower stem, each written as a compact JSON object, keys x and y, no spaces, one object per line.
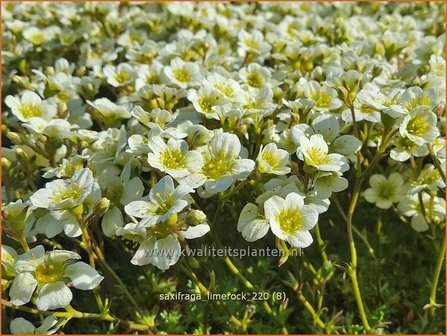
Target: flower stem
{"x":434,"y":286}
{"x":24,"y":243}
{"x":311,"y":310}
{"x":78,"y":315}
{"x":436,"y":161}
{"x":352,"y":270}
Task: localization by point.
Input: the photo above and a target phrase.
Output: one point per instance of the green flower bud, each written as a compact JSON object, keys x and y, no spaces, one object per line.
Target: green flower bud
{"x":102,"y":206}
{"x":195,"y":217}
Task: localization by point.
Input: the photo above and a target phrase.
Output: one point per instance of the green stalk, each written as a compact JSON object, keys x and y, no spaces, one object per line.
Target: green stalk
{"x":434,"y":286}
{"x":78,"y":315}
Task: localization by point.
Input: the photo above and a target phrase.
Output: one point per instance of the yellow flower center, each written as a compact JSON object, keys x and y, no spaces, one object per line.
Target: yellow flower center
{"x":270,"y":159}
{"x":72,"y":191}
{"x":386,"y":190}
{"x":366,"y":109}
{"x":255,"y":80}
{"x":322,"y":99}
{"x":152,"y":78}
{"x":317,"y":157}
{"x":225,"y":88}
{"x":206,"y":103}
{"x":182,"y":75}
{"x":422,"y":100}
{"x":36,"y":38}
{"x":406,"y":143}
{"x":252,"y":44}
{"x":122,"y":77}
{"x":49,"y":272}
{"x":417,"y":126}
{"x":31,"y":110}
{"x":173,"y":158}
{"x":164,"y":203}
{"x":290,"y":220}
{"x":217,"y":167}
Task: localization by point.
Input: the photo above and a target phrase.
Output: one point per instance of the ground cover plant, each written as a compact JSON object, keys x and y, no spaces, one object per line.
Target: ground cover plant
{"x":245,"y":168}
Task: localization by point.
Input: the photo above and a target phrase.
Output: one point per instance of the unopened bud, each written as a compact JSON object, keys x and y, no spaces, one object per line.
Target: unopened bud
{"x":14,"y":137}
{"x":102,"y":206}
{"x":6,"y":164}
{"x":195,"y":217}
{"x":21,"y":154}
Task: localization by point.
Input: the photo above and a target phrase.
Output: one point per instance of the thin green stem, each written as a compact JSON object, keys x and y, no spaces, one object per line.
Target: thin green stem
{"x":352,"y":270}
{"x":434,"y":286}
{"x":436,"y":161}
{"x":78,"y":315}
{"x":311,"y":310}
{"x":320,"y":243}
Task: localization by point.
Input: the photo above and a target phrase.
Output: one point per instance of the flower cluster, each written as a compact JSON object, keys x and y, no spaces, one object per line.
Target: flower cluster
{"x":137,"y":124}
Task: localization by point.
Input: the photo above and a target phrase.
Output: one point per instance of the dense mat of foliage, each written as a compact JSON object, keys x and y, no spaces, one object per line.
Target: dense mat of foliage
{"x":142,"y":141}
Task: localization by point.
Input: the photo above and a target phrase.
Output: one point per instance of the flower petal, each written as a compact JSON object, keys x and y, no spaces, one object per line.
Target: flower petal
{"x":54,"y":295}
{"x":83,"y":276}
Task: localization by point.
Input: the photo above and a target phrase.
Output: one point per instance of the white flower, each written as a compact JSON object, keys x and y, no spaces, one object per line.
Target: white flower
{"x":385,"y":191}
{"x":405,"y":148}
{"x":149,"y":75}
{"x":50,"y":273}
{"x":412,"y":207}
{"x":205,"y":99}
{"x":315,"y":153}
{"x":162,"y":253}
{"x":121,"y":75}
{"x":290,"y":219}
{"x":324,"y":96}
{"x":164,"y":201}
{"x":9,"y":258}
{"x":64,"y":194}
{"x":253,"y":43}
{"x":420,"y":125}
{"x":30,"y":105}
{"x":120,"y":190}
{"x":173,"y":158}
{"x":272,"y":160}
{"x":251,"y":223}
{"x":109,"y":112}
{"x":329,"y":182}
{"x":226,"y":86}
{"x":221,"y":165}
{"x":183,"y":74}
{"x":22,"y":326}
{"x":255,"y":76}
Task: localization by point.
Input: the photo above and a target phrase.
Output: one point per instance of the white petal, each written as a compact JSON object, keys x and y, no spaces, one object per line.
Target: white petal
{"x":41,"y":198}
{"x":166,"y":184}
{"x":226,"y":142}
{"x":300,"y":239}
{"x":28,"y":261}
{"x":310,"y":217}
{"x":138,"y":209}
{"x":143,"y":256}
{"x":54,"y":295}
{"x":219,"y":185}
{"x":251,"y":227}
{"x":46,"y":326}
{"x":294,"y":201}
{"x":83,"y":276}
{"x":21,"y":326}
{"x":273,"y":206}
{"x":196,"y":231}
{"x":133,"y":190}
{"x":167,"y":252}
{"x":112,"y":221}
{"x":419,"y":224}
{"x":22,"y":288}
{"x":347,"y":145}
